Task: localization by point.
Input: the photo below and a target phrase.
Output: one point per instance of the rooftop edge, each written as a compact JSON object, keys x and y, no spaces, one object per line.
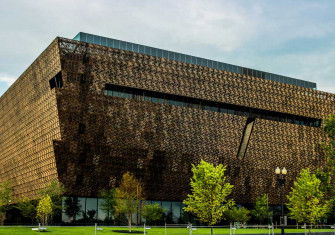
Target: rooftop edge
{"x":123,"y":45}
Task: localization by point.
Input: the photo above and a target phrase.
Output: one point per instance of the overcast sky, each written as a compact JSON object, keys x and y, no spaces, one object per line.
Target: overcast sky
{"x":291,"y":38}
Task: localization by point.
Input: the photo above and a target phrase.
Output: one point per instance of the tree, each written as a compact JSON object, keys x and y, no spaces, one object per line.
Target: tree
{"x":210,"y":190}
{"x":55,"y":190}
{"x":238,"y":214}
{"x":6,"y":194}
{"x":128,"y":196}
{"x":91,"y":214}
{"x":27,"y":208}
{"x":108,"y":204}
{"x":306,"y":200}
{"x":329,"y":126}
{"x":44,"y":209}
{"x":326,"y":173}
{"x":261,"y":211}
{"x":152,"y":213}
{"x":72,"y":207}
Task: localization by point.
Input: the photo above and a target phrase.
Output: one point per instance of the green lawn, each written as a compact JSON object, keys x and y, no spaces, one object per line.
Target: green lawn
{"x":153,"y":231}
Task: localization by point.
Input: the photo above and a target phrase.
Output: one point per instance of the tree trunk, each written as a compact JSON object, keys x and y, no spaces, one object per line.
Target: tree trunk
{"x":305,"y":228}
{"x":2,"y":218}
{"x":211,"y":230}
{"x":129,"y":222}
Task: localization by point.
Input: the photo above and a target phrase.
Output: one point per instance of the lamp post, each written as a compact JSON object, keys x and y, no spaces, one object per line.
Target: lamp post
{"x":281,"y":173}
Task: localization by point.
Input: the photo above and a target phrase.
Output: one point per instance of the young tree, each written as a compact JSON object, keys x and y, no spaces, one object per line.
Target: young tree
{"x":27,"y":208}
{"x":55,"y":190}
{"x":238,"y":214}
{"x":152,"y":213}
{"x":128,"y":196}
{"x":108,"y":204}
{"x":6,"y":194}
{"x":261,"y":211}
{"x":72,"y":207}
{"x":44,"y":209}
{"x":210,"y":191}
{"x":306,"y":201}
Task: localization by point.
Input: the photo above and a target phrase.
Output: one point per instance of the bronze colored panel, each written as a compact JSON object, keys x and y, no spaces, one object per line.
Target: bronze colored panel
{"x":28,"y":126}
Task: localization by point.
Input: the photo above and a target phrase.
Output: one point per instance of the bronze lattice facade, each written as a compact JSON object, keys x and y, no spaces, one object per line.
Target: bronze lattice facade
{"x":85,"y":113}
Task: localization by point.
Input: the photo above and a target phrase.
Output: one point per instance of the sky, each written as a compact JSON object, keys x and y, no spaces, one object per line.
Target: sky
{"x":291,"y":38}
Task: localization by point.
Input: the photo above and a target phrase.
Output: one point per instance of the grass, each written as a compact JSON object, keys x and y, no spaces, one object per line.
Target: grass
{"x":89,"y":230}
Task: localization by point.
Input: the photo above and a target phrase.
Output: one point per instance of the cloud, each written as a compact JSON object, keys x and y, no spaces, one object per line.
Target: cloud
{"x":8,"y":80}
{"x":253,"y":33}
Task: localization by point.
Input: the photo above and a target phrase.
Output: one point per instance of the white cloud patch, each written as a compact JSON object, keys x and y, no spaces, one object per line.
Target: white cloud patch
{"x":8,"y":80}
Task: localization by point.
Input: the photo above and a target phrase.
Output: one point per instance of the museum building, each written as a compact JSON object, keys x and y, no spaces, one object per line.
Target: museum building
{"x":91,"y":108}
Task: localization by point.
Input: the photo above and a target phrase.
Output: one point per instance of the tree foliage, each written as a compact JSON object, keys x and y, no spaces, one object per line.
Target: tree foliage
{"x":261,"y":210}
{"x":44,"y":209}
{"x":6,"y":195}
{"x":128,"y":196}
{"x":55,"y":190}
{"x":91,"y":214}
{"x":238,"y":214}
{"x":327,"y":171}
{"x":210,"y":190}
{"x":152,"y":213}
{"x":109,"y":202}
{"x":329,"y":126}
{"x":72,"y":207}
{"x":306,"y":201}
{"x":27,"y":208}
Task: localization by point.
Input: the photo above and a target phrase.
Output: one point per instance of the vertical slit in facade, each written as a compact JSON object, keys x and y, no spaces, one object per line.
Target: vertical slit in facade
{"x":246,"y":137}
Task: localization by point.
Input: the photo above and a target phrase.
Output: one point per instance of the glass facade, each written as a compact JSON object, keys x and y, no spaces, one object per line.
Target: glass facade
{"x":114,"y":43}
{"x":88,"y":205}
{"x":164,"y":98}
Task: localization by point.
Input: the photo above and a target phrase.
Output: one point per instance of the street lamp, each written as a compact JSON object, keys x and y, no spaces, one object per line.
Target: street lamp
{"x":281,"y":173}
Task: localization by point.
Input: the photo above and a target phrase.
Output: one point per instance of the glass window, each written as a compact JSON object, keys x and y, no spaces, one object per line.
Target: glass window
{"x":135,"y":47}
{"x":188,"y":59}
{"x":101,"y":214}
{"x":176,"y":208}
{"x":155,"y":100}
{"x":128,"y":46}
{"x":223,"y":110}
{"x":110,"y":43}
{"x":182,"y":57}
{"x":167,"y":206}
{"x":148,"y":98}
{"x":141,"y":49}
{"x":126,"y":95}
{"x":81,"y":204}
{"x":195,"y":60}
{"x":117,"y":44}
{"x":210,"y":63}
{"x":104,"y":41}
{"x":160,"y":53}
{"x":165,"y":54}
{"x":123,"y":45}
{"x":91,"y":208}
{"x":178,"y":57}
{"x":173,"y":55}
{"x":90,"y":38}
